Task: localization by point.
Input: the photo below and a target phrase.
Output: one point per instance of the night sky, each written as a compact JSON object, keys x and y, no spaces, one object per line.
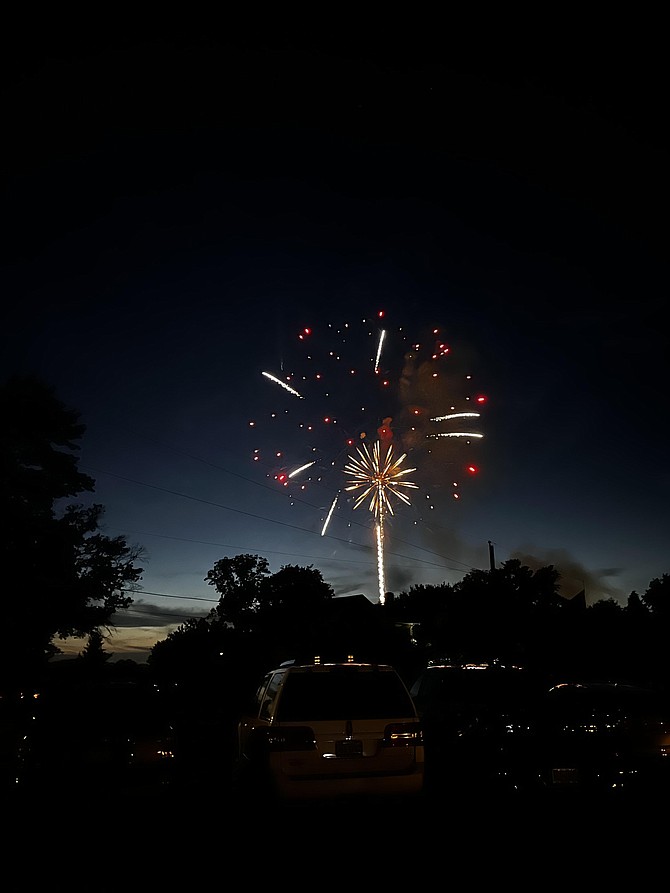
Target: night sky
{"x":178,"y":209}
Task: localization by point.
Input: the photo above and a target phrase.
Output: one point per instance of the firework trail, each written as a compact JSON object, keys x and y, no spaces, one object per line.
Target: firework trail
{"x":379,"y":477}
{"x":368,"y":394}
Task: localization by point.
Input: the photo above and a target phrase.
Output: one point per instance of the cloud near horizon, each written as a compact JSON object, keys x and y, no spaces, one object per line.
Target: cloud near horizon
{"x":574,"y":577}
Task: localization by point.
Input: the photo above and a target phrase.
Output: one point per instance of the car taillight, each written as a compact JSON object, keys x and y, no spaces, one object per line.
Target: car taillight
{"x":403,"y":734}
{"x":290,"y":738}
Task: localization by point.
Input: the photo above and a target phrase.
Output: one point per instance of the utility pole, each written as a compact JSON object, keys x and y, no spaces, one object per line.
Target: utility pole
{"x":492,"y":561}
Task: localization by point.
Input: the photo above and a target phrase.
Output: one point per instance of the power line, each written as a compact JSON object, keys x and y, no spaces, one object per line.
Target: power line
{"x":198,"y":598}
{"x":269,"y":520}
{"x":246,"y":549}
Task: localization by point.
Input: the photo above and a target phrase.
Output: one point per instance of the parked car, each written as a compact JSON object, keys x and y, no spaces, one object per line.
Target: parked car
{"x":478,"y":722}
{"x":112,"y":735}
{"x":603,"y":737}
{"x":328,"y":732}
{"x":504,"y":730}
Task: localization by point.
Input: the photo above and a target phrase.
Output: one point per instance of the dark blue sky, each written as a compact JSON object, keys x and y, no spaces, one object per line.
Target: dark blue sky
{"x":176,"y":210}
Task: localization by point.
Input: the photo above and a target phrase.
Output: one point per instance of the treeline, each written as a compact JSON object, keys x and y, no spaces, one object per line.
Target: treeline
{"x":509,"y":615}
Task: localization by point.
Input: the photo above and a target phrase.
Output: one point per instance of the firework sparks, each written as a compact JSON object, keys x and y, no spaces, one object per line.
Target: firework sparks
{"x":369,"y":397}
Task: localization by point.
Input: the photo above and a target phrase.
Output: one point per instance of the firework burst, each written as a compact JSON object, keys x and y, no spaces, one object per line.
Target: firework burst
{"x":367,"y":394}
{"x":379,"y":478}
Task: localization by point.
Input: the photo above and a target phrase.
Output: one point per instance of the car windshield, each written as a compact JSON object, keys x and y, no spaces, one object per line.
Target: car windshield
{"x":343,"y":694}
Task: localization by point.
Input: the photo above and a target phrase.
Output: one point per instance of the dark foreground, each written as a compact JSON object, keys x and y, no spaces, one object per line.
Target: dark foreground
{"x":525,"y":843}
{"x":185,"y":835}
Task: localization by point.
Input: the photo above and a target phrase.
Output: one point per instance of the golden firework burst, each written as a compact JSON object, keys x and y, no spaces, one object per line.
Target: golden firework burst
{"x":379,"y":477}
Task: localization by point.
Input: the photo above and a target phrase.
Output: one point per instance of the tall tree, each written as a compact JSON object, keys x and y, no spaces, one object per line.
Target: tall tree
{"x":94,"y":653}
{"x":62,"y":577}
{"x":238,"y":581}
{"x":657,"y":598}
{"x":261,"y":618}
{"x":286,"y":604}
{"x":657,"y":601}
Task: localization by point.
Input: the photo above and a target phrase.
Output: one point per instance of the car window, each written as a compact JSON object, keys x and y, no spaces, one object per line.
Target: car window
{"x":254,"y":705}
{"x":343,"y":695}
{"x":269,"y":696}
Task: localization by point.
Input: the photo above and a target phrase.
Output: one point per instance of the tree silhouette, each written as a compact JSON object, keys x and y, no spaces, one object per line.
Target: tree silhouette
{"x":284,"y":612}
{"x":238,"y":581}
{"x":94,"y":653}
{"x":657,"y":598}
{"x":500,"y":615}
{"x":657,"y":601}
{"x":511,"y":615}
{"x":62,"y":577}
{"x":263,"y":619}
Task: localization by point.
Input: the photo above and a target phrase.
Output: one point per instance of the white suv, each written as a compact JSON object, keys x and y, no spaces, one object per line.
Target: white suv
{"x":330,"y":731}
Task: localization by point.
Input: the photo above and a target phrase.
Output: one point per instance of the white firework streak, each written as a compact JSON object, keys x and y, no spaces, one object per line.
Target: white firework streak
{"x":456,"y":415}
{"x":282,"y":384}
{"x":382,"y":335}
{"x":302,"y":468}
{"x":329,"y":516}
{"x":457,"y":434}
